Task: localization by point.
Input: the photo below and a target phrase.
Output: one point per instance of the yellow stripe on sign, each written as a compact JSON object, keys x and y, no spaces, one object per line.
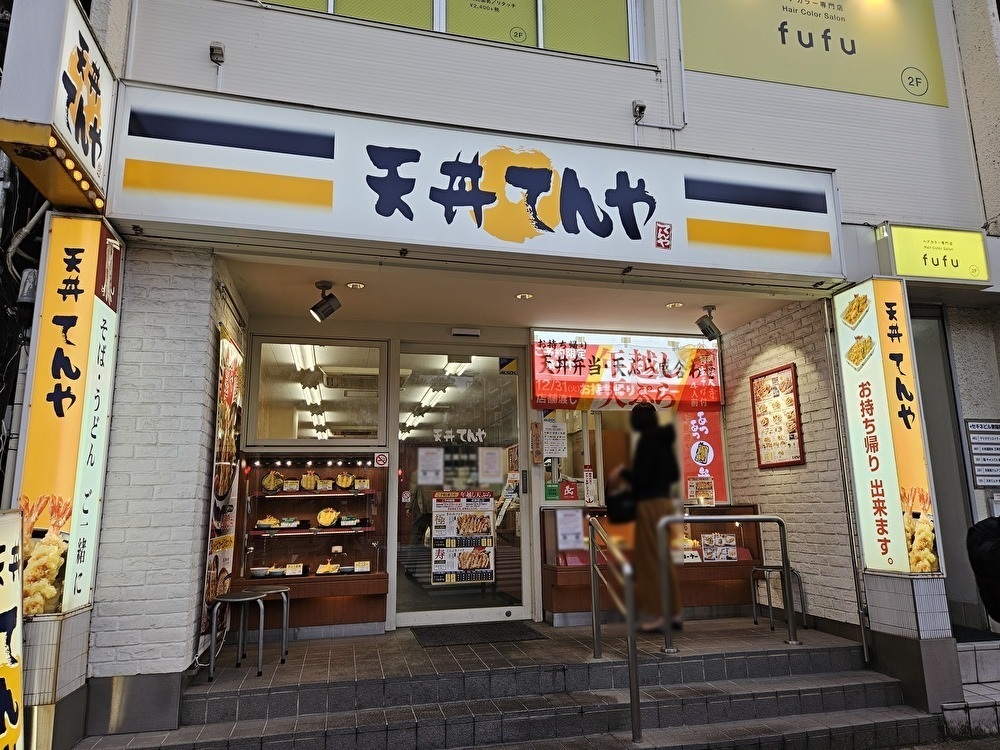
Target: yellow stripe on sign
{"x":759,"y":236}
{"x":227,"y":183}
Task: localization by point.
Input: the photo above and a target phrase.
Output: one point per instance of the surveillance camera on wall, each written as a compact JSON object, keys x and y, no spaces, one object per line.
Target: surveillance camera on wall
{"x":707,"y":325}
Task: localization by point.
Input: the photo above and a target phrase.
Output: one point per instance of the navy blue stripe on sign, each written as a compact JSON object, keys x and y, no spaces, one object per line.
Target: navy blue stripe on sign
{"x":754,"y":195}
{"x":227,"y":134}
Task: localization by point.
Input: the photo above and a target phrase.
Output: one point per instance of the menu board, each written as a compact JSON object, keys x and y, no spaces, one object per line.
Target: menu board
{"x":777,"y":425}
{"x":718,"y":547}
{"x":984,"y":449}
{"x":463,"y":531}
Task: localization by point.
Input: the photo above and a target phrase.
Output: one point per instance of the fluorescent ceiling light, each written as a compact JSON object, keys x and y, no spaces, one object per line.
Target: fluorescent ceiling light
{"x":312,"y":395}
{"x":456,"y":368}
{"x":304,"y":356}
{"x":432,"y":398}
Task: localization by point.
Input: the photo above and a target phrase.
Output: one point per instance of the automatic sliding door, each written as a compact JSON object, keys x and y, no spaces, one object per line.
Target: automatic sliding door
{"x":459,"y":537}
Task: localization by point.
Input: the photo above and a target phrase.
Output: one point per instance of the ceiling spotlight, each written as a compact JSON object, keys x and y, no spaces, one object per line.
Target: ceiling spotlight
{"x":355,"y":285}
{"x":328,"y":303}
{"x":672,"y":305}
{"x":524,"y":295}
{"x":707,"y":325}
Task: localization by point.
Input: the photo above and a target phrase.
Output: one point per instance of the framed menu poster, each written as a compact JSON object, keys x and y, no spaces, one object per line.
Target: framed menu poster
{"x":777,"y":423}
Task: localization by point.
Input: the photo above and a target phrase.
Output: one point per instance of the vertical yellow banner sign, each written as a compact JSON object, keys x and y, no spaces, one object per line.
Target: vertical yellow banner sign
{"x":12,"y":636}
{"x":885,"y":431}
{"x":906,"y":419}
{"x":67,"y":411}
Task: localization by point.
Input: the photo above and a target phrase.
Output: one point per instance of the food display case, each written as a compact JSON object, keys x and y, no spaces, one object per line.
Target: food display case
{"x":317,"y":524}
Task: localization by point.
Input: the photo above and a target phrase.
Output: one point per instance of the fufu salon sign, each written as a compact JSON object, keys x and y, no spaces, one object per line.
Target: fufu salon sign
{"x":887,"y":49}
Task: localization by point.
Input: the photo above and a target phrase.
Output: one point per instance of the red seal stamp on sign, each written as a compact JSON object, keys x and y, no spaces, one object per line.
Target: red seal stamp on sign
{"x":664,"y":235}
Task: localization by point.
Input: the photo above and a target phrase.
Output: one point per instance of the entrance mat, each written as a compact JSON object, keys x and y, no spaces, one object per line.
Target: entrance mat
{"x":480,"y":632}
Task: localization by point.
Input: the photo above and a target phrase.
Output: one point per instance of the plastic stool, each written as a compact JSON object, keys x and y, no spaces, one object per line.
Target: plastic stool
{"x":283,"y":591}
{"x":766,"y":572}
{"x":243,"y":599}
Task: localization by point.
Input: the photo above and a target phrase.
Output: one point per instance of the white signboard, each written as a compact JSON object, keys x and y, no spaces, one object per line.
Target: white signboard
{"x":430,"y":466}
{"x":554,"y":442}
{"x":569,"y":529}
{"x":491,"y":468}
{"x":194,"y":159}
{"x":984,"y":450}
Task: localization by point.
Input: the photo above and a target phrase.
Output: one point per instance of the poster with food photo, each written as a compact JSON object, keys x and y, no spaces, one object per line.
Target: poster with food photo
{"x":777,"y":422}
{"x":463,"y":524}
{"x":222,"y":521}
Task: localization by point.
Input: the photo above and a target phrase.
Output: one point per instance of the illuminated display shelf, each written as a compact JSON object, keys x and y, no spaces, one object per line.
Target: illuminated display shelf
{"x":319,"y":599}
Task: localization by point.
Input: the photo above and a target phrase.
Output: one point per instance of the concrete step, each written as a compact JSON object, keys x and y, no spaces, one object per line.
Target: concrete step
{"x":395,"y":729}
{"x":215,"y":702}
{"x":860,"y":729}
{"x":556,"y":715}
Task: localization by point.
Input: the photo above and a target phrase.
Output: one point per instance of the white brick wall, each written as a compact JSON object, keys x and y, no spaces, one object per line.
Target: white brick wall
{"x":151,"y":561}
{"x":810,"y":497}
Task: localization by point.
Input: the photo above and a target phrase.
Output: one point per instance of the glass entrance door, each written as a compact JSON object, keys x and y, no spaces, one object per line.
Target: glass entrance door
{"x":459,"y":551}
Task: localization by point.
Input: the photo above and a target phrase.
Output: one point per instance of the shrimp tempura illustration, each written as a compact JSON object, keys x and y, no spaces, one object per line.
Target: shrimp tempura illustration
{"x":46,"y":559}
{"x":31,"y":512}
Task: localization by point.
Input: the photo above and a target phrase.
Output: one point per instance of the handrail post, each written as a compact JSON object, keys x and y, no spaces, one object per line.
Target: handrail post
{"x":595,"y":594}
{"x":622,"y":571}
{"x":662,"y":526}
{"x":663,"y":534}
{"x":786,"y":585}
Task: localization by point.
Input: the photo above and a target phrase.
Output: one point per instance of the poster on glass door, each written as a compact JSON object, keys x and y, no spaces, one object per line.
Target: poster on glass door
{"x":463,"y":537}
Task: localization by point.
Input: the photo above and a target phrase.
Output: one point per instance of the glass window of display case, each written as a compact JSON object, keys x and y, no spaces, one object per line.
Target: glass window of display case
{"x":313,"y":517}
{"x":332,"y":391}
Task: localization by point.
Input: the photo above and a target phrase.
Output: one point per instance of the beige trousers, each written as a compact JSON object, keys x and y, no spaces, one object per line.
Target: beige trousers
{"x":646,"y":559}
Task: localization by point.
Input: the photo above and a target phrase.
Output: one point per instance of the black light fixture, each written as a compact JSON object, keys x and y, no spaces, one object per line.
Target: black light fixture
{"x":707,"y":325}
{"x":328,"y":303}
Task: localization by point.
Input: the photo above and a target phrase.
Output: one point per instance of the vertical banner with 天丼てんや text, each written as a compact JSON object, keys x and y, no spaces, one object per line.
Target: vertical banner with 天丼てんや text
{"x":68,"y":411}
{"x":11,"y":633}
{"x":222,"y":520}
{"x":885,"y":429}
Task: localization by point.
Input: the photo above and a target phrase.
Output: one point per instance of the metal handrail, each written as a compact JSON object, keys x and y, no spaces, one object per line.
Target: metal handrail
{"x":624,"y":575}
{"x":786,"y":567}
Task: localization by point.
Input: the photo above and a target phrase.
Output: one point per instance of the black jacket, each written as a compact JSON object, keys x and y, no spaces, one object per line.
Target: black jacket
{"x":983,"y":546}
{"x":654,"y":468}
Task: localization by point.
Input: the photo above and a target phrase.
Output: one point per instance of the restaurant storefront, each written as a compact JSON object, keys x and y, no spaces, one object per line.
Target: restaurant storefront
{"x":489,"y":307}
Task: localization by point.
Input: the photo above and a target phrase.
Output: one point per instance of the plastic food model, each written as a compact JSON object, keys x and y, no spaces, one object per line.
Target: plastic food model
{"x":272,"y":481}
{"x":309,"y":481}
{"x":46,"y":557}
{"x":328,"y":567}
{"x":345,"y":480}
{"x":327,"y":517}
{"x":918,"y":525}
{"x":269,"y":521}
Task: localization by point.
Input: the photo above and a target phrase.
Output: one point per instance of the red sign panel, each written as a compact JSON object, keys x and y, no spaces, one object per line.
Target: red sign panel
{"x":609,"y":371}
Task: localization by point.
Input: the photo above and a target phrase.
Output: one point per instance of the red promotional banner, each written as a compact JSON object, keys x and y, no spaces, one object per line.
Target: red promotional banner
{"x":703,"y":472}
{"x":584,"y":371}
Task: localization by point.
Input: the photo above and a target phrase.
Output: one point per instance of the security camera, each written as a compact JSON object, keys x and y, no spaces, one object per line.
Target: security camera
{"x":217,"y":52}
{"x":707,"y":325}
{"x":638,"y":109}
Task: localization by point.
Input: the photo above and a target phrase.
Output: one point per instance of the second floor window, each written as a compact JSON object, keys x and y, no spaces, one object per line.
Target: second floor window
{"x":598,"y":28}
